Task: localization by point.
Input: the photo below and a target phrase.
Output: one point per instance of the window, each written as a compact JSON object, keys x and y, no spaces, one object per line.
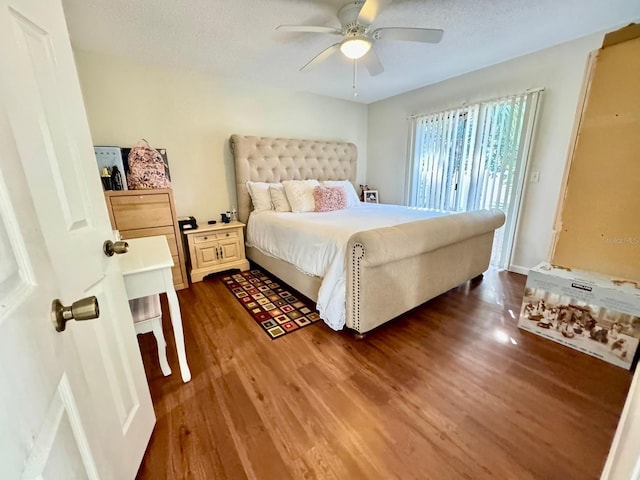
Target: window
{"x":474,"y":157}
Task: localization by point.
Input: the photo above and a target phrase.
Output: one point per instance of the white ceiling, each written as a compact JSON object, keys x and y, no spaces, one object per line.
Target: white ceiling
{"x":237,"y":38}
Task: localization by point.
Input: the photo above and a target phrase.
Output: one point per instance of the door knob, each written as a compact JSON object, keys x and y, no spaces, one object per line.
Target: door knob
{"x":84,"y":309}
{"x":109,"y":247}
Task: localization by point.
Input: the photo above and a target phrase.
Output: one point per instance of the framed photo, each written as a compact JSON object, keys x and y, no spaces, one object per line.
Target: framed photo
{"x":371,"y":196}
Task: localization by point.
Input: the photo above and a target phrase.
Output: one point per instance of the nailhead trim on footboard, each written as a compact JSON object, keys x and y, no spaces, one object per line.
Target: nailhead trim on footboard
{"x":357,"y":251}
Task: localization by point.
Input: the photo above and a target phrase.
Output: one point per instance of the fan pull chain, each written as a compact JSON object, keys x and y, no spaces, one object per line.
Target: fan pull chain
{"x":355,"y":70}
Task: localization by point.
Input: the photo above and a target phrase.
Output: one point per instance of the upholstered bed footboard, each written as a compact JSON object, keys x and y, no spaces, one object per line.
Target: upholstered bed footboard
{"x":392,"y":270}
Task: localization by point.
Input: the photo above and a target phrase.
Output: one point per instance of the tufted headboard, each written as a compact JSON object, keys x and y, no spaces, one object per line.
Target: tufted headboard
{"x":267,"y":159}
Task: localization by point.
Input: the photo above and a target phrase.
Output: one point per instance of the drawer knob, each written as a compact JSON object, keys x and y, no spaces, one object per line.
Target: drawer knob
{"x":206,"y":238}
{"x":227,"y":234}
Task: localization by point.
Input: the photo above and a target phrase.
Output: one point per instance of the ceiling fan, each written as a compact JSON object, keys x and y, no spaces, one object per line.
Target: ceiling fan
{"x":358,"y":35}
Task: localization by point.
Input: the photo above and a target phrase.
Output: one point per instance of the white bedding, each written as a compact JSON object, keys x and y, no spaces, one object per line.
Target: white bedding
{"x":316,"y":243}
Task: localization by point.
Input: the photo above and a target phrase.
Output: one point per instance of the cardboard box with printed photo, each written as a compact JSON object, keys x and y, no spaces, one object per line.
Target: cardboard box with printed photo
{"x":591,"y":313}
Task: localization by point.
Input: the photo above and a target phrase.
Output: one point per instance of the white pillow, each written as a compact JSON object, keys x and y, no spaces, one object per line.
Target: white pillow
{"x":259,"y":192}
{"x":300,"y":194}
{"x":352,"y":197}
{"x":279,"y":198}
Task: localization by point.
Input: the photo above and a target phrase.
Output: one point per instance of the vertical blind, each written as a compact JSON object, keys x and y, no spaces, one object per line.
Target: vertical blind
{"x":473,"y":157}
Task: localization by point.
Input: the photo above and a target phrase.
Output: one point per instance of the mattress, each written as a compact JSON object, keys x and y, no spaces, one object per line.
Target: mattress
{"x":315,"y":243}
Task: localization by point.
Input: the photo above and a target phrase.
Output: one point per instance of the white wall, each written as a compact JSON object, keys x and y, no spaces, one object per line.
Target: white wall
{"x":192,"y":116}
{"x":560,"y":70}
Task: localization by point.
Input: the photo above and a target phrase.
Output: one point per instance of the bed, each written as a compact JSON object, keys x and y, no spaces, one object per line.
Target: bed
{"x":387,"y":270}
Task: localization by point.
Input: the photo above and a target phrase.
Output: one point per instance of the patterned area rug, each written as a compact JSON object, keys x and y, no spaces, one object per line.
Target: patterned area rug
{"x":276,"y":307}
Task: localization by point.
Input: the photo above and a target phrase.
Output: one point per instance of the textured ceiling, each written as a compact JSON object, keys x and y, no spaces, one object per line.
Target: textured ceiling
{"x":237,"y":38}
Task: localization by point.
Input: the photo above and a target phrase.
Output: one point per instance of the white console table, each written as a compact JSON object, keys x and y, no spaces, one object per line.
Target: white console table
{"x":147,"y":271}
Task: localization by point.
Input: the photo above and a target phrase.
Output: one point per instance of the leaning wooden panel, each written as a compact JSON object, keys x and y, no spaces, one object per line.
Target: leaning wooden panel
{"x":599,"y":229}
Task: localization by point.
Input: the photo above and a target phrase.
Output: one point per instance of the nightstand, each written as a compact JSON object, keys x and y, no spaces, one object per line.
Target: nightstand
{"x":216,"y":248}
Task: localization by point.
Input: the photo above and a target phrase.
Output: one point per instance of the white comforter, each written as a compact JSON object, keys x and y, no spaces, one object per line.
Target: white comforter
{"x":316,"y":244}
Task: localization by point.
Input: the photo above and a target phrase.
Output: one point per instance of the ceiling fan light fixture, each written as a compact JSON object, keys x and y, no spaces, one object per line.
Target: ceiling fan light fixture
{"x":355,"y":47}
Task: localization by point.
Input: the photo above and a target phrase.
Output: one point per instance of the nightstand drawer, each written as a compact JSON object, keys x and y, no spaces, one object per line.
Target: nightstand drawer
{"x":207,"y":237}
{"x":204,"y":238}
{"x":227,"y":235}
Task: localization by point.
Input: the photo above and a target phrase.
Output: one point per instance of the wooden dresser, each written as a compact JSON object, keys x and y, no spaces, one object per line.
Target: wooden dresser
{"x":145,"y":213}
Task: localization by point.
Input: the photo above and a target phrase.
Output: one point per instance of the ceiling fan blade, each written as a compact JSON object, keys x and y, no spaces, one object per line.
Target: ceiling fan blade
{"x":371,"y":9}
{"x":407,"y":34}
{"x":322,"y":56}
{"x":309,"y":29}
{"x":372,"y":62}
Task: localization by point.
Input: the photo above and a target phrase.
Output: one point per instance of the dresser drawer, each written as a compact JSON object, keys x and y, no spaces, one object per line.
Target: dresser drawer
{"x":141,"y":211}
{"x":168,"y":232}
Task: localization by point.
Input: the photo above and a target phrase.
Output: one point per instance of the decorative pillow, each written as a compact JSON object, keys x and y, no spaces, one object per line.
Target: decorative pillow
{"x":279,"y":198}
{"x":352,"y":197}
{"x":259,"y":192}
{"x":328,"y":199}
{"x":300,"y":194}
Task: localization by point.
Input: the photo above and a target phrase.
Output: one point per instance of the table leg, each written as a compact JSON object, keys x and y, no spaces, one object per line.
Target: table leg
{"x":176,"y":322}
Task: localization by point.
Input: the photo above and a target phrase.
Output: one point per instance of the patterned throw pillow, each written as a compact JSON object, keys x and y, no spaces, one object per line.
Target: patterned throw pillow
{"x":328,"y":199}
{"x":352,"y":197}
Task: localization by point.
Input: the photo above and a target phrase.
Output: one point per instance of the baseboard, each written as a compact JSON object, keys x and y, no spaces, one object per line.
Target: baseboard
{"x":519,"y":269}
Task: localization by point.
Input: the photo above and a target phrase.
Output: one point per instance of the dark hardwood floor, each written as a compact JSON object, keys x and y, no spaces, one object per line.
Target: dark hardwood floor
{"x":452,"y":389}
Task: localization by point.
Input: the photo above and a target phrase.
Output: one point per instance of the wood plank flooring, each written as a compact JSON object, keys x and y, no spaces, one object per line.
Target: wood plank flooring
{"x":452,"y":389}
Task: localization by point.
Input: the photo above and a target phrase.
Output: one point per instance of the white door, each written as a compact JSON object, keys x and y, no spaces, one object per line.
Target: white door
{"x":623,"y":462}
{"x":73,"y":404}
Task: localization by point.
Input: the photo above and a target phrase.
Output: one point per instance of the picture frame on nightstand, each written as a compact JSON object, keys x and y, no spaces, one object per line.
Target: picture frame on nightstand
{"x":371,"y":196}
